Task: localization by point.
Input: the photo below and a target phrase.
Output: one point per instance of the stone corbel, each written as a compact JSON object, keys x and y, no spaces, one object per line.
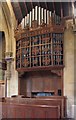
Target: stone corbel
{"x":20,"y":74}
{"x":57,"y":72}
{"x":69,"y":25}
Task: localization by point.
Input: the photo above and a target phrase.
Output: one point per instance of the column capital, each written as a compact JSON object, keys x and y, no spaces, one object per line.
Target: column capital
{"x":9,"y":56}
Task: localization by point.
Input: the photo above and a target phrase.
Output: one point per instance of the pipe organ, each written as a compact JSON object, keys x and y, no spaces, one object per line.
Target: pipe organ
{"x":40,"y":63}
{"x":39,"y":47}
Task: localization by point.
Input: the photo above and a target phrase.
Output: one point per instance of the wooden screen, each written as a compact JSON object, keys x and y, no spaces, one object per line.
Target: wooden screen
{"x":40,"y":50}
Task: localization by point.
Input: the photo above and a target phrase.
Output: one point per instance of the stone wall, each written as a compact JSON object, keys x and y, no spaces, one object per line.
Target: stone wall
{"x":7,"y":25}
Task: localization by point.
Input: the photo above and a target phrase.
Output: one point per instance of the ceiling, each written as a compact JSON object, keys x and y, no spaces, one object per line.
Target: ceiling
{"x":22,"y":8}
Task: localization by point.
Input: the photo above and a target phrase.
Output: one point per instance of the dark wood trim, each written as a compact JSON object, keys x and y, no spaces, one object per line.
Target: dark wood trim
{"x":18,"y":86}
{"x":23,"y":33}
{"x":40,"y":68}
{"x":68,"y":17}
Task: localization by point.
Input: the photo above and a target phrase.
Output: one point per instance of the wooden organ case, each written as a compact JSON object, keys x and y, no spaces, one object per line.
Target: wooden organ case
{"x":39,"y":54}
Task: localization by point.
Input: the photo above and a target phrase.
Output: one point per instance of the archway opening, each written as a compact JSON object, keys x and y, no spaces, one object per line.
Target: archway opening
{"x":2,"y":63}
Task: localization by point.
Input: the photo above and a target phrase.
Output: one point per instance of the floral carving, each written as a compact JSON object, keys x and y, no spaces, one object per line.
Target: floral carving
{"x":46,"y":61}
{"x":35,"y":50}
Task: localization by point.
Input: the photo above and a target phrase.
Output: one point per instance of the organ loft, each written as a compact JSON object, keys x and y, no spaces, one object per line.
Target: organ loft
{"x":38,"y":60}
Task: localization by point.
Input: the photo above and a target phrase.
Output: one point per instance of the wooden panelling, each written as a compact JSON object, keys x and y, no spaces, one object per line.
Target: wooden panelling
{"x":40,"y":81}
{"x":16,"y":110}
{"x":37,"y":85}
{"x":14,"y":103}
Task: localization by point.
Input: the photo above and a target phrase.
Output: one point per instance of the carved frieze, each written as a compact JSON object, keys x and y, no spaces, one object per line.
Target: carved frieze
{"x":36,"y":30}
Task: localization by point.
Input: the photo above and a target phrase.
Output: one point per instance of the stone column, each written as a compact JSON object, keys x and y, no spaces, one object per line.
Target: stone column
{"x":9,"y":60}
{"x":74,"y":106}
{"x":69,"y":66}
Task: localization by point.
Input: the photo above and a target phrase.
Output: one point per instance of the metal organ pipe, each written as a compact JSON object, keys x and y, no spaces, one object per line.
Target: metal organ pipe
{"x":42,"y":13}
{"x":45,"y":16}
{"x":50,"y":13}
{"x":27,"y":18}
{"x":33,"y":14}
{"x":22,"y":23}
{"x":39,"y":16}
{"x":36,"y":9}
{"x":30,"y":18}
{"x":25,"y":21}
